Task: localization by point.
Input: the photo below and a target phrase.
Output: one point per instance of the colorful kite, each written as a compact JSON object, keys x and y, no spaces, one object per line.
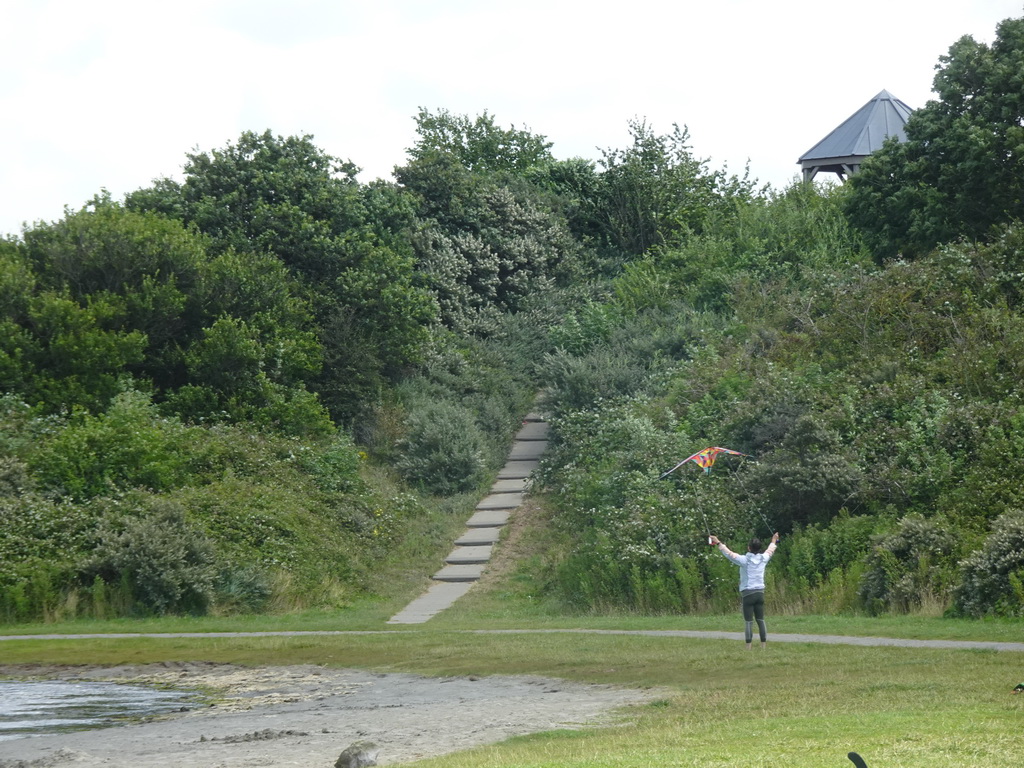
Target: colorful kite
{"x":704,"y":459}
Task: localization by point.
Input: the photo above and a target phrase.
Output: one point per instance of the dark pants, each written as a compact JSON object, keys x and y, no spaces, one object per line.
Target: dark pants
{"x":753,"y":610}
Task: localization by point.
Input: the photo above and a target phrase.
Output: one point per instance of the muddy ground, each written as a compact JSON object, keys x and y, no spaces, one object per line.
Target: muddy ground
{"x":307,"y":715}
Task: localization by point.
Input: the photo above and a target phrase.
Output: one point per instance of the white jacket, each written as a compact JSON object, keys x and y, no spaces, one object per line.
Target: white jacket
{"x":751,"y":566}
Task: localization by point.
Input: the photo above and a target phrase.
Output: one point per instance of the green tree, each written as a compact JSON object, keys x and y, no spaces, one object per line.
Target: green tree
{"x":655,"y":192}
{"x":17,"y":286}
{"x":108,"y":294}
{"x":77,"y":355}
{"x":282,"y":195}
{"x":59,"y":350}
{"x":961,"y":169}
{"x":488,"y":236}
{"x":478,"y":145}
{"x":147,"y":267}
{"x":348,"y":244}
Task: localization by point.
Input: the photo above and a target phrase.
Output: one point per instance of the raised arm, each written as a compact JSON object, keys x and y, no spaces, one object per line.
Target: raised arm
{"x":725,"y":550}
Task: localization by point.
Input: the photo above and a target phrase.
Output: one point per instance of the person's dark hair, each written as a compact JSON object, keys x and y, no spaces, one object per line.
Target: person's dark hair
{"x":755,"y":546}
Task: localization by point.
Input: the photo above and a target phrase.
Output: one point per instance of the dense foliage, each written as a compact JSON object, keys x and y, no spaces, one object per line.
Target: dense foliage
{"x":265,"y":386}
{"x":888,"y":395}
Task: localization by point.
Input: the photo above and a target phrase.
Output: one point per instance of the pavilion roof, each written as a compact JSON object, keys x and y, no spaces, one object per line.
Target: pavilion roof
{"x":863,"y":132}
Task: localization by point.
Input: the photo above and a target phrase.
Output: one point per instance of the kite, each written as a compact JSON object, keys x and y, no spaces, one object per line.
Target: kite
{"x":704,"y":459}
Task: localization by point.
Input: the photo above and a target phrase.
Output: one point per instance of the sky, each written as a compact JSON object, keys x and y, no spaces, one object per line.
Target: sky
{"x":112,"y":94}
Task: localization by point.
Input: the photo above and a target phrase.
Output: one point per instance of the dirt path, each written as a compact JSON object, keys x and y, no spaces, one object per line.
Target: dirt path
{"x":307,"y":715}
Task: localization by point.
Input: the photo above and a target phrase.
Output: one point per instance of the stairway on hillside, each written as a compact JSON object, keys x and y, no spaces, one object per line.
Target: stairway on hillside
{"x":473,"y":549}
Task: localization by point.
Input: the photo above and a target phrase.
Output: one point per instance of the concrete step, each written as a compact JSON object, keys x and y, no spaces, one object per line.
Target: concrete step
{"x":488,"y":518}
{"x":500,"y":501}
{"x":517,"y":470}
{"x":527,"y":450}
{"x":460,"y":573}
{"x":511,"y":485}
{"x":441,"y":595}
{"x":479,"y":536}
{"x":469,"y":555}
{"x":465,"y":564}
{"x":533,"y":430}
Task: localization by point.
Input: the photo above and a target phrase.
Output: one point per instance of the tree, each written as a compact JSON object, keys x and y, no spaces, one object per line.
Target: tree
{"x":69,"y":355}
{"x":478,"y":145}
{"x":265,"y":193}
{"x":961,"y":169}
{"x":107,"y":298}
{"x":149,"y":267}
{"x":285,"y":198}
{"x":488,"y":236}
{"x":655,"y":192}
{"x":17,"y":286}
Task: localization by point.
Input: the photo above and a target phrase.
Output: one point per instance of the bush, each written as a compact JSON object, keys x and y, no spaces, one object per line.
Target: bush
{"x":128,"y":446}
{"x":335,"y":467}
{"x":476,"y":376}
{"x":242,"y":590}
{"x":808,"y":477}
{"x":605,"y":373}
{"x":992,"y":577}
{"x":168,"y":564}
{"x":910,"y":567}
{"x":815,"y":553}
{"x":443,"y":449}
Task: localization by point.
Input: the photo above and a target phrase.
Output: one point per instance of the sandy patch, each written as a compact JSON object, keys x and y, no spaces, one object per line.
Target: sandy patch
{"x":307,"y":715}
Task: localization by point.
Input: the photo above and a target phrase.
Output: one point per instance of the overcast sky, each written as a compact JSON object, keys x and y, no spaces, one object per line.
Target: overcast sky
{"x":112,"y":93}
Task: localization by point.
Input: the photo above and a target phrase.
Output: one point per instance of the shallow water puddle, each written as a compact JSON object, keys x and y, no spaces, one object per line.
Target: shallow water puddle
{"x":52,"y":706}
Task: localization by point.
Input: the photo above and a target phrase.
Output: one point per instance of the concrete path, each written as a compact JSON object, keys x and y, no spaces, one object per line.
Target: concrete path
{"x":894,"y":642}
{"x":462,"y":588}
{"x":466,"y":563}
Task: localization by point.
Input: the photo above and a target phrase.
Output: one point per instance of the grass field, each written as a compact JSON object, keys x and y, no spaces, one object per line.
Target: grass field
{"x":484,"y":612}
{"x":717,"y":704}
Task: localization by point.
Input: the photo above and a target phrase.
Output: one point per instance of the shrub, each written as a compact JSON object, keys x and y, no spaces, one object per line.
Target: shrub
{"x":443,"y":449}
{"x":808,"y":477}
{"x":128,"y":446}
{"x":477,"y":376}
{"x":910,"y":567}
{"x":585,"y":328}
{"x":168,"y":564}
{"x":35,"y":592}
{"x":335,"y":467}
{"x":815,"y":553}
{"x":605,"y":373}
{"x":242,"y":590}
{"x":14,"y":477}
{"x":34,"y":531}
{"x":992,"y":576}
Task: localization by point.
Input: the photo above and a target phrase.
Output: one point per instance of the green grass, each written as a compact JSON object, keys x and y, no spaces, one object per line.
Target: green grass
{"x":715,"y":703}
{"x":373,"y":615}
